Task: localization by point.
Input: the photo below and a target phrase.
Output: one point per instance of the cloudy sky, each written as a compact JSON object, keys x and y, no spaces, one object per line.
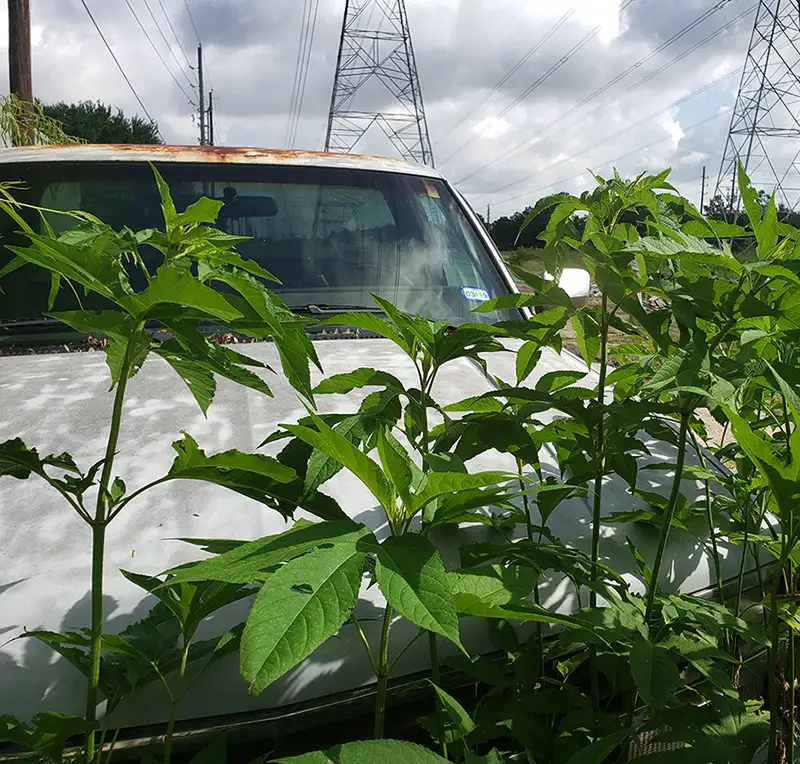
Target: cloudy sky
{"x":503,"y":154}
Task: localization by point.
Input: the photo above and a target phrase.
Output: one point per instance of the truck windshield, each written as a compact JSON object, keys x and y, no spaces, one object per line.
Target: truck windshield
{"x":331,"y":236}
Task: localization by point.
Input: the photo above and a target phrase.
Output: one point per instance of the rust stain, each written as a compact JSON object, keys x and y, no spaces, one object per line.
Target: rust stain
{"x":211,"y":153}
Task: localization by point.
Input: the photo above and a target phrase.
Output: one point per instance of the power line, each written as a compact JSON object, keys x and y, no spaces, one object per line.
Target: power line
{"x":305,"y":72}
{"x":637,"y":150}
{"x":119,"y":66}
{"x":160,"y":57}
{"x":528,"y":142}
{"x":546,"y":76}
{"x":191,"y":18}
{"x":166,"y":42}
{"x":641,"y":62}
{"x":307,"y":32}
{"x":297,"y":70}
{"x":511,"y":72}
{"x":175,"y":34}
{"x":582,"y":43}
{"x":594,"y":144}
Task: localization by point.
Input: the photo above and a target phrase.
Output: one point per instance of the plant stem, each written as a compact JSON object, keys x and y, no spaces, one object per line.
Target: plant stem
{"x":673,"y":503}
{"x":99,"y":525}
{"x":170,"y":733}
{"x":436,"y":678}
{"x":791,"y":679}
{"x":746,"y":541}
{"x":600,"y":466}
{"x":600,"y":469}
{"x":365,"y":642}
{"x":774,"y":709}
{"x":529,"y":526}
{"x":383,"y":674}
{"x":711,"y":525}
{"x":184,"y":658}
{"x":96,"y":627}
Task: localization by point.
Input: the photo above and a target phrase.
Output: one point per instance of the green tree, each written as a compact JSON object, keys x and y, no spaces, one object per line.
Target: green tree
{"x":96,"y":122}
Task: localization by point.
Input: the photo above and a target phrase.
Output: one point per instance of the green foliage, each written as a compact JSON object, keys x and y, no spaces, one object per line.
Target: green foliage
{"x":95,"y":122}
{"x":579,"y":676}
{"x":302,"y":604}
{"x":22,"y":124}
{"x":368,"y":751}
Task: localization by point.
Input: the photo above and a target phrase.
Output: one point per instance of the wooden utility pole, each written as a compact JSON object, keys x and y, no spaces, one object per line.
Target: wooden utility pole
{"x":200,"y":87}
{"x":210,"y":117}
{"x":703,"y":192}
{"x":19,"y":59}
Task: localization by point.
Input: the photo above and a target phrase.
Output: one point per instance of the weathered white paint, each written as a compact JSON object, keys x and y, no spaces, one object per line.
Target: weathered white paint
{"x":209,"y":154}
{"x":59,"y":402}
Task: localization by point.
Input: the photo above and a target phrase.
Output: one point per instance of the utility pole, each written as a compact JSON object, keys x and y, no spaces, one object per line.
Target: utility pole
{"x":703,"y":192}
{"x":488,"y":215}
{"x":19,"y":60}
{"x":210,"y":117}
{"x":200,"y":88}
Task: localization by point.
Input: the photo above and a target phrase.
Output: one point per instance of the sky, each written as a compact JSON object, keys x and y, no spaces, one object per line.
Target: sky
{"x":504,"y":154}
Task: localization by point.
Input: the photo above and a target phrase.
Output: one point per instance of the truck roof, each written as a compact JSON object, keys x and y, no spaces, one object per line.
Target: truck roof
{"x":200,"y":154}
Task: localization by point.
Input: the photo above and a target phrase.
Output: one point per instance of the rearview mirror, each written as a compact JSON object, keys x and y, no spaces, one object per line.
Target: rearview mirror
{"x":248,"y":207}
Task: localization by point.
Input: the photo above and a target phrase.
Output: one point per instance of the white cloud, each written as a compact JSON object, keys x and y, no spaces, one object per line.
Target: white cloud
{"x":464,"y":48}
{"x":490,"y":128}
{"x":674,"y":130}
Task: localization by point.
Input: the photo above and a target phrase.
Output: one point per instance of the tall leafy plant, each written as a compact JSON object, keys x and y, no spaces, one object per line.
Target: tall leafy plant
{"x":94,"y":258}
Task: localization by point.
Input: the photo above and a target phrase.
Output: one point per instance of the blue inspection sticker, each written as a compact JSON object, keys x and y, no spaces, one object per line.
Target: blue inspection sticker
{"x":474,"y":294}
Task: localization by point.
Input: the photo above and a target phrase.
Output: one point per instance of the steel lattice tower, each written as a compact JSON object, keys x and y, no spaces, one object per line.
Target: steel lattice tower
{"x":765,"y":127}
{"x":376,"y":46}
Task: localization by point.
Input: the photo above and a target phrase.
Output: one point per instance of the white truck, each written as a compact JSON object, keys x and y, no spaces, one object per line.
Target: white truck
{"x":332,"y":229}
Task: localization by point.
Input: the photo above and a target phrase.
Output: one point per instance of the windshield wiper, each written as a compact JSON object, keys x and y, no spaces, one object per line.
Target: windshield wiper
{"x":322,"y":309}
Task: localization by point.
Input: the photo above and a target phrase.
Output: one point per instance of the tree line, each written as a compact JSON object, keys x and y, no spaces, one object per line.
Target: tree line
{"x":505,"y":230}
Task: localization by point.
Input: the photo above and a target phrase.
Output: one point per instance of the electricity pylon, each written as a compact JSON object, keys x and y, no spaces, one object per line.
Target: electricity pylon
{"x":375,"y":46}
{"x":764,"y":133}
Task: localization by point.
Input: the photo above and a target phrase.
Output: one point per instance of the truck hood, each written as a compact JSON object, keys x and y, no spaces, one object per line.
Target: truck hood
{"x":61,"y":403}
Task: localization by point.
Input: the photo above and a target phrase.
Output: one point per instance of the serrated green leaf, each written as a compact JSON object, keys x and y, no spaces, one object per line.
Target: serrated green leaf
{"x":204,"y":210}
{"x":19,"y":461}
{"x":253,"y":561}
{"x":198,"y":379}
{"x":256,"y":476}
{"x":587,"y":335}
{"x":493,"y":584}
{"x":167,"y":205}
{"x":355,"y":380}
{"x":461,"y":723}
{"x":175,"y":287}
{"x":370,"y":752}
{"x":397,"y":465}
{"x":437,"y":484}
{"x":411,"y":575}
{"x":195,"y":357}
{"x":87,"y":265}
{"x":527,"y":358}
{"x":655,"y":673}
{"x":558,"y":380}
{"x":327,"y":440}
{"x":300,"y":606}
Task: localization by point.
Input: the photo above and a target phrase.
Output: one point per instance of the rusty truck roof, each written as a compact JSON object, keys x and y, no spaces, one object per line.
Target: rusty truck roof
{"x":200,"y":154}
